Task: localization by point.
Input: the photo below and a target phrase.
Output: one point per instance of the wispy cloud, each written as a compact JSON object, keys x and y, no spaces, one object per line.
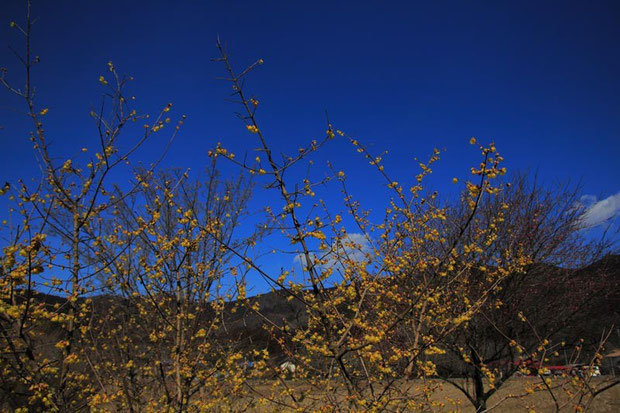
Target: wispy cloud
{"x":354,"y":246}
{"x":598,"y":212}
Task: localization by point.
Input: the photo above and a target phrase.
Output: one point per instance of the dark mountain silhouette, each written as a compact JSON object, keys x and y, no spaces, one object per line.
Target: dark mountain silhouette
{"x":251,"y":328}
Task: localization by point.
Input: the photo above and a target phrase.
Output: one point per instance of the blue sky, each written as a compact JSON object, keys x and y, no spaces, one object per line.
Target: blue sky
{"x":538,"y":78}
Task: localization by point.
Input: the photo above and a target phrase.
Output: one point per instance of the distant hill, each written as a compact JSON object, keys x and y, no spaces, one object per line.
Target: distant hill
{"x":247,"y":326}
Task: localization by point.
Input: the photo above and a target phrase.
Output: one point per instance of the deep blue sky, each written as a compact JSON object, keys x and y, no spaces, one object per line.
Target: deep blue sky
{"x":538,"y":78}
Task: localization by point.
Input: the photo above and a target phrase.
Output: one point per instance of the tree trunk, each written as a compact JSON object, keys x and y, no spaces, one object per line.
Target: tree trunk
{"x":478,"y":377}
{"x":179,"y":342}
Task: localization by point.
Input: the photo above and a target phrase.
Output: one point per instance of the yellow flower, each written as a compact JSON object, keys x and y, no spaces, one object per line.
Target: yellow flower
{"x":62,"y":344}
{"x":472,"y":141}
{"x":102,"y":80}
{"x":71,"y":358}
{"x":44,"y":112}
{"x":454,"y":180}
{"x":252,"y":128}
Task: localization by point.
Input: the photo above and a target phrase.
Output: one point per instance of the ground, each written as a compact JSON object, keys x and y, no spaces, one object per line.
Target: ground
{"x":454,"y":400}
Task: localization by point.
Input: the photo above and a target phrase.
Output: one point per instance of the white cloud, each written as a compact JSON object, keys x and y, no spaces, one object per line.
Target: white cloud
{"x":588,"y":200}
{"x":354,"y":246}
{"x":599,"y":212}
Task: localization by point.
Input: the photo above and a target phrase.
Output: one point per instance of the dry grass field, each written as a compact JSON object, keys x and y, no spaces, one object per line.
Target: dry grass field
{"x":608,"y":401}
{"x":453,"y":400}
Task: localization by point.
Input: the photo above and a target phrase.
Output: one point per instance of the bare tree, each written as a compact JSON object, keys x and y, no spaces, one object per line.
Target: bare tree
{"x":537,"y":308}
